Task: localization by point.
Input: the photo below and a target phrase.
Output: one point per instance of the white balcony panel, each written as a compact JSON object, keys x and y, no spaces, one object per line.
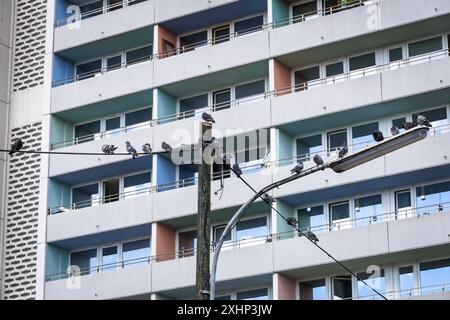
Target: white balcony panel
{"x":60,"y":164}
{"x":175,"y":203}
{"x":318,"y":101}
{"x":135,"y":78}
{"x":104,"y":26}
{"x":209,"y":59}
{"x":102,"y":218}
{"x":399,"y":12}
{"x":131,"y":281}
{"x":167,"y":10}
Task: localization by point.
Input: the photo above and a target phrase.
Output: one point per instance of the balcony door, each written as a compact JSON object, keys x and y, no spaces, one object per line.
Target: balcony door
{"x":403,"y":204}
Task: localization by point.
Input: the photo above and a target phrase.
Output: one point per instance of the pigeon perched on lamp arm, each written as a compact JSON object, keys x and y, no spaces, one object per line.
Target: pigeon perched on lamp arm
{"x":131,"y":150}
{"x":298,"y":168}
{"x":147,"y":148}
{"x":207,"y":117}
{"x":268,"y":199}
{"x":395,"y":130}
{"x":378,"y":136}
{"x":109,"y":149}
{"x":318,"y":160}
{"x":408,"y":125}
{"x":423,"y":121}
{"x":343,"y":150}
{"x":16,"y":146}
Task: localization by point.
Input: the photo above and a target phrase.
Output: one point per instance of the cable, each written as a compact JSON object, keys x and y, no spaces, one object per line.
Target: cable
{"x":312,"y":241}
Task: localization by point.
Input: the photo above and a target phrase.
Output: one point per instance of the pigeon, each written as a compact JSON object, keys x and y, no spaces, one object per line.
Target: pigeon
{"x":311,"y":236}
{"x":16,"y":146}
{"x":207,"y":117}
{"x":292,"y":222}
{"x":237,"y":171}
{"x":421,"y":120}
{"x":378,"y":136}
{"x":395,"y":130}
{"x":343,"y":150}
{"x":298,"y":168}
{"x":166,"y":147}
{"x":131,"y":150}
{"x":268,"y":199}
{"x":318,"y":160}
{"x":408,"y":125}
{"x":108,"y":149}
{"x":147,"y":148}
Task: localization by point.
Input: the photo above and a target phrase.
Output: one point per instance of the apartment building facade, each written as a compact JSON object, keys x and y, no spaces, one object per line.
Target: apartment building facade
{"x":301,"y":78}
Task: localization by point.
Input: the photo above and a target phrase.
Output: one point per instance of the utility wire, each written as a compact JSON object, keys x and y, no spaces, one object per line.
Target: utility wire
{"x":76,"y":153}
{"x":312,"y":241}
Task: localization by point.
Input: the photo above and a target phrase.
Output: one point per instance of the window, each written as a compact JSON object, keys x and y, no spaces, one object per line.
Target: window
{"x":192,"y":41}
{"x":395,"y":54}
{"x":87,"y":131}
{"x":168,"y":48}
{"x":403,"y":204}
{"x":187,"y":243}
{"x":334,"y":71}
{"x":85,"y":260}
{"x":362,"y":62}
{"x":308,"y":146}
{"x":336,"y":139}
{"x":114,"y":4}
{"x":432,"y":198}
{"x":221,"y":34}
{"x":136,"y":185}
{"x":367,"y":209}
{"x":340,"y":215}
{"x":313,"y":290}
{"x":259,"y":294}
{"x":303,"y":77}
{"x":311,"y":218}
{"x":376,"y":281}
{"x":221,"y":99}
{"x":88,"y":69}
{"x":302,"y":11}
{"x":399,"y":124}
{"x":109,"y":258}
{"x":227,"y":297}
{"x":362,"y":135}
{"x":433,"y":274}
{"x":251,"y":232}
{"x":188,"y":105}
{"x":139,"y":55}
{"x":248,"y":25}
{"x":91,"y":9}
{"x":135,"y":119}
{"x":437,"y":117}
{"x":407,"y":281}
{"x":135,"y":252}
{"x":342,"y":287}
{"x":112,"y":126}
{"x":425,"y":46}
{"x":85,"y":196}
{"x":250,"y":89}
{"x":114,"y":62}
{"x":111,"y":190}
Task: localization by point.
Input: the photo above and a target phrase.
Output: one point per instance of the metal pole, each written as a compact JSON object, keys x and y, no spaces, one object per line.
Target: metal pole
{"x":202,"y":282}
{"x":238,"y":215}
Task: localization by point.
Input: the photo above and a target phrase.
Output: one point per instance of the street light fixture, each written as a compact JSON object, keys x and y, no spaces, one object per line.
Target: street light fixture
{"x":344,"y":163}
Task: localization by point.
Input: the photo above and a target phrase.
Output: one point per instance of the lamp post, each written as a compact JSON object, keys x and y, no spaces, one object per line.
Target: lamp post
{"x":343,"y":164}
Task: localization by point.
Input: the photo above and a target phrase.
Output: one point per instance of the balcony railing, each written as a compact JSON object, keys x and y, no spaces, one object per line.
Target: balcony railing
{"x":96,"y":12}
{"x":438,"y":208}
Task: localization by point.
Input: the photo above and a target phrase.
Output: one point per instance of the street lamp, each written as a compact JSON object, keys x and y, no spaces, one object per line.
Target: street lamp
{"x":345,"y":163}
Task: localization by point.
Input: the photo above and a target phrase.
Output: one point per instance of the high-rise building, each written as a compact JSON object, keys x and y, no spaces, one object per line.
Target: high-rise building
{"x":285,"y":80}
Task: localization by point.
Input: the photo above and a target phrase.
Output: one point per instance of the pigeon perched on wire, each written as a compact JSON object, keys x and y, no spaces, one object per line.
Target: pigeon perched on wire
{"x":318,"y":160}
{"x":292,"y":222}
{"x":109,"y":149}
{"x":378,"y":136}
{"x":298,"y":168}
{"x":423,"y":121}
{"x":237,"y":170}
{"x":408,"y":125}
{"x":207,"y":117}
{"x":395,"y":130}
{"x":166,"y":147}
{"x":267,"y":199}
{"x":131,"y":150}
{"x":147,"y":148}
{"x":311,"y":236}
{"x":343,"y":150}
{"x":16,"y":146}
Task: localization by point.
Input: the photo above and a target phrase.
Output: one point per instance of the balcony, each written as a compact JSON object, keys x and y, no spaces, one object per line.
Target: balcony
{"x":95,"y":23}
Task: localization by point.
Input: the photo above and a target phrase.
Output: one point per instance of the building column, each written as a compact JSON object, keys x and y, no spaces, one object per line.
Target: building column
{"x":284,"y":287}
